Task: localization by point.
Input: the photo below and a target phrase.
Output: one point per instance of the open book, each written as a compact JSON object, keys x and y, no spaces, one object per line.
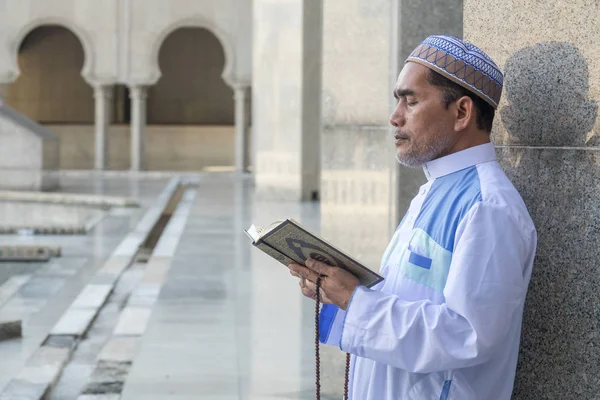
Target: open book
{"x":289,"y":242}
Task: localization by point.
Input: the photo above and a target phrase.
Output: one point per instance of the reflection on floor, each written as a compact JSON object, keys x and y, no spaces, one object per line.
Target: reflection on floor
{"x":229,"y":322}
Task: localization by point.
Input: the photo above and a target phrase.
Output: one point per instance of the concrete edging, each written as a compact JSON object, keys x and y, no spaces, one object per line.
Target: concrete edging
{"x":43,"y":368}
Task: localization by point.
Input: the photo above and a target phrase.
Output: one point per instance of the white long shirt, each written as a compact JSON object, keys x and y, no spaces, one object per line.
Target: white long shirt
{"x":445,"y":322}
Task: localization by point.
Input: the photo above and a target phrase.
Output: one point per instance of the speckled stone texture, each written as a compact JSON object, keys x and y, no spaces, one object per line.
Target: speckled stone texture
{"x":546,"y":131}
{"x":550,"y":52}
{"x":560,"y":350}
{"x":547,"y":91}
{"x":435,"y":17}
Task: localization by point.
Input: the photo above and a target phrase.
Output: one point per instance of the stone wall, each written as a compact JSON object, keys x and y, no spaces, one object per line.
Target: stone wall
{"x":168,"y":148}
{"x":28,"y":153}
{"x":547,"y":138}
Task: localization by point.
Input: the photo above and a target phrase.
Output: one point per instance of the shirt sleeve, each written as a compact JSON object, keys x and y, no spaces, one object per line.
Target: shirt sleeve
{"x":331,"y":319}
{"x":331,"y":322}
{"x":484,"y":293}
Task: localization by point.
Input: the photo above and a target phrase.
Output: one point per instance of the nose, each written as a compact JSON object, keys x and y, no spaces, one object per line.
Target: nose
{"x":397,"y":118}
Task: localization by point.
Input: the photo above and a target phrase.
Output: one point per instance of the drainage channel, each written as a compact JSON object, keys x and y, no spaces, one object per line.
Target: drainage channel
{"x":146,"y":248}
{"x":69,"y":357}
{"x":101,"y":362}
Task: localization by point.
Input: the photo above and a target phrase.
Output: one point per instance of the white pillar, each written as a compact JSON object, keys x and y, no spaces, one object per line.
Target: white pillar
{"x":138,"y":95}
{"x":286,"y":119}
{"x":242,"y":126}
{"x":3,"y":92}
{"x":103,"y":99}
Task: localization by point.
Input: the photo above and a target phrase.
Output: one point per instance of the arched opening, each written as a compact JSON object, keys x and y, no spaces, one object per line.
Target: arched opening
{"x":190,"y":110}
{"x":51,"y":91}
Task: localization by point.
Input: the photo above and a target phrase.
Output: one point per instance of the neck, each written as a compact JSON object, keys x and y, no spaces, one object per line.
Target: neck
{"x":473,"y":139}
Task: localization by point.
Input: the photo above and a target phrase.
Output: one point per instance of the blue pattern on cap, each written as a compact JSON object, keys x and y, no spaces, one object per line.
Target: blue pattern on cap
{"x":466,"y":52}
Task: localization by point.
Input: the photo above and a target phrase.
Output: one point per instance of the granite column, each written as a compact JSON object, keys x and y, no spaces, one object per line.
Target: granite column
{"x":546,"y":133}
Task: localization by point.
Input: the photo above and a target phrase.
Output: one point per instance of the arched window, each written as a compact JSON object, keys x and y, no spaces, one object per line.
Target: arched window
{"x":191,"y":90}
{"x":50,"y":89}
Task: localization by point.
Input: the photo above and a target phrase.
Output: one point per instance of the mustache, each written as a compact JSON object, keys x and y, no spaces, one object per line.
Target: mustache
{"x":400,"y":135}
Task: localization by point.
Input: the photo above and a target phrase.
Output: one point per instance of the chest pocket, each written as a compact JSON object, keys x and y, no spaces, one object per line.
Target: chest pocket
{"x":425,"y":261}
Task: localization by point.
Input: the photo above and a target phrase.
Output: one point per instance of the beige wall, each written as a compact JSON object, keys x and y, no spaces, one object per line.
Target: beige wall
{"x":286,"y":93}
{"x":50,"y":88}
{"x":356,"y":64}
{"x":191,"y":90}
{"x":121,"y":37}
{"x":169,"y":148}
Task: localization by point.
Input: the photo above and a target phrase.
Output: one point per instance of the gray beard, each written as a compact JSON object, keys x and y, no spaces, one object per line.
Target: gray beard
{"x":432,"y":151}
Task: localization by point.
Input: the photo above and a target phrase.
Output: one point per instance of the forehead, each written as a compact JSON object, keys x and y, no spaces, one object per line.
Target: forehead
{"x":413,"y":76}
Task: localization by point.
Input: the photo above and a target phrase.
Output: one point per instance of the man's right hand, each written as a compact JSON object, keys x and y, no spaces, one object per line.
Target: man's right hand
{"x":308,"y":292}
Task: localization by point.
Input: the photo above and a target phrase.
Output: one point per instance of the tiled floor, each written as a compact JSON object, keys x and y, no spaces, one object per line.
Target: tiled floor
{"x":54,"y":285}
{"x":229,"y":323}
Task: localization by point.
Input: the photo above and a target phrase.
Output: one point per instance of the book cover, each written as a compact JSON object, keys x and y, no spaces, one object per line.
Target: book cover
{"x":289,"y":241}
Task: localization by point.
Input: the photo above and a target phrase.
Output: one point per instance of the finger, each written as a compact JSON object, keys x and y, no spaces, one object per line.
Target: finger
{"x":312,"y":288}
{"x":308,"y":293}
{"x":293,"y":269}
{"x":304,"y":272}
{"x":319,"y":267}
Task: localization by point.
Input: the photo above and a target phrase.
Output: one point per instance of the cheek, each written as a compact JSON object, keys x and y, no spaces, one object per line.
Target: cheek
{"x":430,"y":123}
{"x":420,"y":124}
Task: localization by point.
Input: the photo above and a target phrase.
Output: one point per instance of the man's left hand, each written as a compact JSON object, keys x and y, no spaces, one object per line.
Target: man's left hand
{"x":337,"y":284}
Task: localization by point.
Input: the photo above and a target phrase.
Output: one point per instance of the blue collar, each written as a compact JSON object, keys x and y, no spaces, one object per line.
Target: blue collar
{"x":459,"y":161}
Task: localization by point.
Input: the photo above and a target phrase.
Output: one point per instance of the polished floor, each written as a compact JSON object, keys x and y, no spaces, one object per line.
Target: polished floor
{"x":52,"y":286}
{"x":229,"y":323}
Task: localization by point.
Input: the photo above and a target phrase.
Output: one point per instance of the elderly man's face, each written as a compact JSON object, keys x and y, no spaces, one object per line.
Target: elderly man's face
{"x":424,"y":127}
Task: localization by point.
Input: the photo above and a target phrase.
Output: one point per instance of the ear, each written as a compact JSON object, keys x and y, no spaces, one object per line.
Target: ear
{"x":465,"y":112}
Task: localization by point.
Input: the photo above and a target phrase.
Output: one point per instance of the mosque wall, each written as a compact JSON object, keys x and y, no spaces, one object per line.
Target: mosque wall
{"x":546,"y":133}
{"x":191,"y":90}
{"x":362,"y":184}
{"x":169,"y":147}
{"x":356,"y":145}
{"x":154,"y":20}
{"x":50,"y":88}
{"x":357,"y":152}
{"x":93,"y":22}
{"x":363,"y":190}
{"x":121,"y":39}
{"x":112,"y":42}
{"x":286,"y":93}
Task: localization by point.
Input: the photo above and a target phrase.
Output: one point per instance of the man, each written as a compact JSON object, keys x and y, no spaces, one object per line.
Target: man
{"x":445,"y":322}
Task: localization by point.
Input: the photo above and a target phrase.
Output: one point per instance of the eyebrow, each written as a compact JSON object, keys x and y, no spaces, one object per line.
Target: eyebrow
{"x":403,"y":93}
